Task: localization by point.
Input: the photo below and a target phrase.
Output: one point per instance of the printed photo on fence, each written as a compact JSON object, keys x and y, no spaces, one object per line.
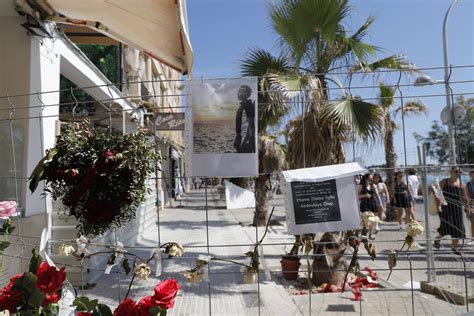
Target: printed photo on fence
{"x":224,"y":127}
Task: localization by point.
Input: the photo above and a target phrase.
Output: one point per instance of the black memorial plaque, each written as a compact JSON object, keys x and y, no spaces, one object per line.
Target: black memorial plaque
{"x":315,"y":202}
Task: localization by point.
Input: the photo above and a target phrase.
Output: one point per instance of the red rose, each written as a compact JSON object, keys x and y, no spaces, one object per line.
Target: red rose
{"x":130,"y":308}
{"x":165,"y":292}
{"x":109,"y":155}
{"x":50,"y":279}
{"x":9,"y":299}
{"x":51,"y":298}
{"x":83,"y":314}
{"x":146,"y":302}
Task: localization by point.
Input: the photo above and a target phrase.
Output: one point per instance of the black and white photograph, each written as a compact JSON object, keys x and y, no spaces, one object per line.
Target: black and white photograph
{"x":224,"y":125}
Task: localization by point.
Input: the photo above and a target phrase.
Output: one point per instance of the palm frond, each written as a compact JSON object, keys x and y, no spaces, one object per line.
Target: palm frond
{"x":259,"y":62}
{"x":364,"y":119}
{"x":413,"y":107}
{"x":299,"y":22}
{"x":271,"y":105}
{"x":355,"y":45}
{"x":386,"y":96}
{"x":397,"y":62}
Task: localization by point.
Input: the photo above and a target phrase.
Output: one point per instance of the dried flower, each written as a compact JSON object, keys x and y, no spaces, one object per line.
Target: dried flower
{"x":174,"y":249}
{"x":308,"y":243}
{"x":66,"y":250}
{"x":194,"y":277}
{"x":370,"y":220}
{"x":142,"y":271}
{"x":392,"y":261}
{"x":370,"y":247}
{"x":414,"y":229}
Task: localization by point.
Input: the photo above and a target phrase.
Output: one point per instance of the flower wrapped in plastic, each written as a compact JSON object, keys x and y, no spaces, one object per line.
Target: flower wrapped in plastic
{"x":413,"y":229}
{"x":370,"y":220}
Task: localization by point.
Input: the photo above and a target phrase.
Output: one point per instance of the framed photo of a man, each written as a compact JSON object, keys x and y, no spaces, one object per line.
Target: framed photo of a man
{"x":222,"y":137}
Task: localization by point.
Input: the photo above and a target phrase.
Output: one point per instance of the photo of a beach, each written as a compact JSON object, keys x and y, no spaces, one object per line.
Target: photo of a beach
{"x":215,"y":105}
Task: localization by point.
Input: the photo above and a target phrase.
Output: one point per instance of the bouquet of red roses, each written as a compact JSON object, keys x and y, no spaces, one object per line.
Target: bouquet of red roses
{"x":99,"y":175}
{"x":156,"y":304}
{"x":35,"y":292}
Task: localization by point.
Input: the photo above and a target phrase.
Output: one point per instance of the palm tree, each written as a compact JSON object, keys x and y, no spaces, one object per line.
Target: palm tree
{"x":389,"y":112}
{"x":315,"y":47}
{"x":314,"y":44}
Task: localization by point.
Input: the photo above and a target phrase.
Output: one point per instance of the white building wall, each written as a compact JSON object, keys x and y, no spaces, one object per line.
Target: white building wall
{"x":44,"y":112}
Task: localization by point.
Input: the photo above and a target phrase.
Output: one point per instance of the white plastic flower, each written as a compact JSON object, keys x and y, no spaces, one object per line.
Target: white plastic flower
{"x":142,"y":271}
{"x":414,"y":229}
{"x":66,"y":250}
{"x":174,"y":249}
{"x":370,"y":220}
{"x":194,"y":277}
{"x":82,"y":250}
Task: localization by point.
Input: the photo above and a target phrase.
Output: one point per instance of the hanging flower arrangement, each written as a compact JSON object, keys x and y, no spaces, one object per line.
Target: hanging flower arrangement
{"x":99,"y":175}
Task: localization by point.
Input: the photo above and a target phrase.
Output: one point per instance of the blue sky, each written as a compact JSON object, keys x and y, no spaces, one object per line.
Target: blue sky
{"x":223,"y":30}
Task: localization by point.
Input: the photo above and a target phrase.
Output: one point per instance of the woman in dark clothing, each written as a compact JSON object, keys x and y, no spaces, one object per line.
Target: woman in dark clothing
{"x":368,"y":195}
{"x":401,"y":198}
{"x":451,"y":215}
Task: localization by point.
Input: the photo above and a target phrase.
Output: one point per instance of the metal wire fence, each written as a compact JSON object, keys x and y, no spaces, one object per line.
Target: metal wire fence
{"x":199,"y":220}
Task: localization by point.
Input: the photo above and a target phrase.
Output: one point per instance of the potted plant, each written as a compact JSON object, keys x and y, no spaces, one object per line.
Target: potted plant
{"x":290,"y":263}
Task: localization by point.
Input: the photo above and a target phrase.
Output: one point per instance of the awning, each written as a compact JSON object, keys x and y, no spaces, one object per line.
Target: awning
{"x":158,"y":28}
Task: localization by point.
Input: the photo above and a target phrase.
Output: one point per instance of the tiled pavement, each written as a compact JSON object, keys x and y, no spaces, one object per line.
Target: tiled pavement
{"x":228,"y":295}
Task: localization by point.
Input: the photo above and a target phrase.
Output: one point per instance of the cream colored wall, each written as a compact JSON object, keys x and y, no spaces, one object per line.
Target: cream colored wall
{"x":14,"y":77}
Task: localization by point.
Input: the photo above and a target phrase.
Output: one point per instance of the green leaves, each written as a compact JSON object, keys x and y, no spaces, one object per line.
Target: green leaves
{"x":4,"y":245}
{"x":126,"y":266}
{"x":398,"y":62}
{"x":302,"y":24}
{"x":352,"y":114}
{"x":84,"y":304}
{"x":26,"y":284}
{"x":7,"y":227}
{"x":38,"y":173}
{"x":259,"y":62}
{"x":35,"y":261}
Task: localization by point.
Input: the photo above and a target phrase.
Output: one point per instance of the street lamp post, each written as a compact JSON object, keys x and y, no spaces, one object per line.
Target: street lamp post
{"x":426,"y":80}
{"x":449,"y":104}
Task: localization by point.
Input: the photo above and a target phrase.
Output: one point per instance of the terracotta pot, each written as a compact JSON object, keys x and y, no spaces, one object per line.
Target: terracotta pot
{"x":289,"y":267}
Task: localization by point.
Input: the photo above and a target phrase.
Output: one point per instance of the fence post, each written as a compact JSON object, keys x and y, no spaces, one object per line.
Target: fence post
{"x":429,"y":245}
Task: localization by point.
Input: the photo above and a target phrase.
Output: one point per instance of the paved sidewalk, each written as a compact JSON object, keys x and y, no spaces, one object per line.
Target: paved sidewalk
{"x":227,"y":295}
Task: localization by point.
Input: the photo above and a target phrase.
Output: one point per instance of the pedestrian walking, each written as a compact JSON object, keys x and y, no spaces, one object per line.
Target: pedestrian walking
{"x":384,"y":195}
{"x":451,"y":215}
{"x":401,"y":199}
{"x":470,"y":211}
{"x":413,"y":184}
